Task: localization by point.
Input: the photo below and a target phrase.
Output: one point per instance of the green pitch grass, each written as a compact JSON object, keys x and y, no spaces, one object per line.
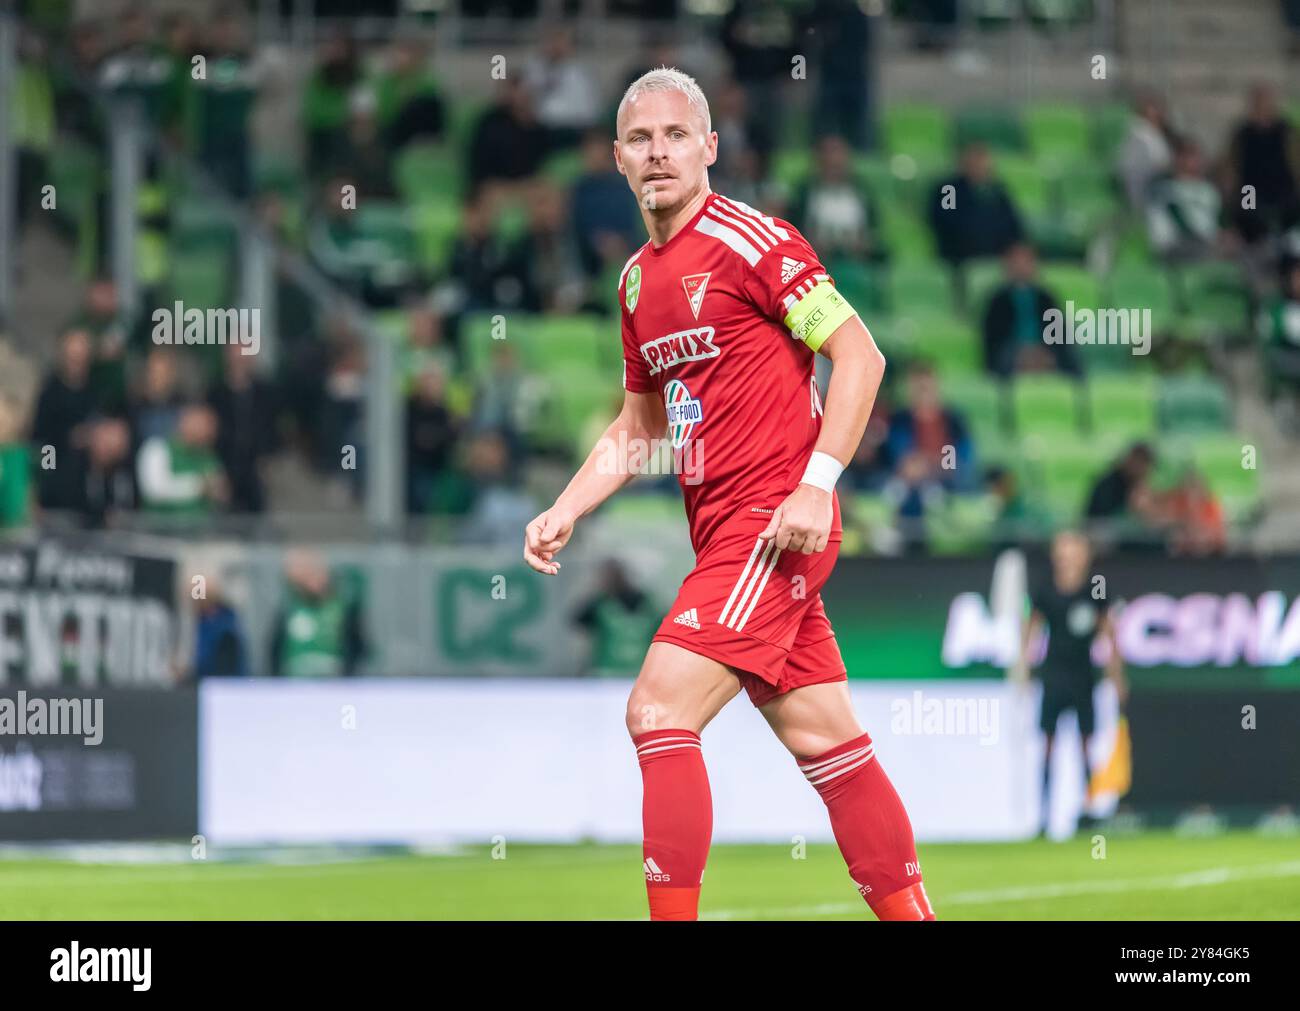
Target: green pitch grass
{"x":1149,"y":876}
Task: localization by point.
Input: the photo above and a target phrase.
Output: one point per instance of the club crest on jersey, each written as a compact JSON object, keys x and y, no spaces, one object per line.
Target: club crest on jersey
{"x":684,"y":412}
{"x":790,"y":269}
{"x":633,"y":289}
{"x":695,"y":285}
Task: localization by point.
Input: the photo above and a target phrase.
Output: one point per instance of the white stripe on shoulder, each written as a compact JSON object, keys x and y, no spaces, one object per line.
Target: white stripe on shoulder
{"x":628,"y":266}
{"x":750,"y":228}
{"x":767,"y":220}
{"x":730,"y":236}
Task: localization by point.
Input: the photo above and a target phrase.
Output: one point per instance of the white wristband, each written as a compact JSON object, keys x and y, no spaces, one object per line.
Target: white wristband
{"x":822,"y":472}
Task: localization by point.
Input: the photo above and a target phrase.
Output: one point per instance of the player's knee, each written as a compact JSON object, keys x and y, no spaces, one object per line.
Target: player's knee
{"x":811,"y":743}
{"x":648,"y":710}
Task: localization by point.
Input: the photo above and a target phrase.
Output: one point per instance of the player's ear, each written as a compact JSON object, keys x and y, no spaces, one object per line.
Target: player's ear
{"x":618,"y":159}
{"x":711,"y":148}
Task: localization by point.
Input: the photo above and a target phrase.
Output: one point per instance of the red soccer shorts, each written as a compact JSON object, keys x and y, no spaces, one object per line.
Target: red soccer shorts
{"x":758,"y":610}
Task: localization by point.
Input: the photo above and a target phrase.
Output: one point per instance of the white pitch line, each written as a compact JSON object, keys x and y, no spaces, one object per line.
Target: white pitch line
{"x":1028,"y":893}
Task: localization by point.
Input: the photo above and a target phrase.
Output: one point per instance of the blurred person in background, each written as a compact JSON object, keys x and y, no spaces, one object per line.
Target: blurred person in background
{"x":544,"y":261}
{"x":157,"y":402}
{"x":1197,"y":526}
{"x":342,"y":409}
{"x":1146,"y":150}
{"x":410,"y":105}
{"x":1123,"y":496}
{"x":1182,"y":208}
{"x":359,"y":154}
{"x":319,"y":630}
{"x":245,"y":408}
{"x":109,"y":481}
{"x":619,"y":619}
{"x":181,"y":473}
{"x":102,"y":317}
{"x":563,"y":88}
{"x":327,"y":96}
{"x":602,"y":211}
{"x":833,"y":208}
{"x":15,"y":467}
{"x":432,"y":432}
{"x":740,"y":134}
{"x":977,"y":216}
{"x":224,"y":98}
{"x":1015,"y":321}
{"x":509,"y":144}
{"x":842,"y":32}
{"x":1279,"y":330}
{"x":506,"y":400}
{"x":1065,"y":606}
{"x":761,"y":38}
{"x":220,"y":645}
{"x":933,"y":433}
{"x":1264,"y":153}
{"x":477,"y":260}
{"x":500,"y":505}
{"x":64,"y":408}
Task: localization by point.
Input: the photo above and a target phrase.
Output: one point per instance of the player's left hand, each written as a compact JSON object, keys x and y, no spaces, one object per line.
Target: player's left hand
{"x":803,"y":521}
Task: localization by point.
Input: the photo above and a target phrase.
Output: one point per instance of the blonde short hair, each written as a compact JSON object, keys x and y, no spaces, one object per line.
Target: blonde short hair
{"x":667,"y":79}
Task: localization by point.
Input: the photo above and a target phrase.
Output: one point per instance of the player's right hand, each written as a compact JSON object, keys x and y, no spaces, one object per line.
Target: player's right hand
{"x":544,"y":537}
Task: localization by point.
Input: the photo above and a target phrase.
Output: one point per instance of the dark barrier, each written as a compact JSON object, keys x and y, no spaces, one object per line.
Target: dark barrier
{"x":115,"y":764}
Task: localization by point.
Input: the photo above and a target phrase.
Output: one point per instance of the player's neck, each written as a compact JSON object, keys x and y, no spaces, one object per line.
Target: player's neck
{"x":662,"y":229}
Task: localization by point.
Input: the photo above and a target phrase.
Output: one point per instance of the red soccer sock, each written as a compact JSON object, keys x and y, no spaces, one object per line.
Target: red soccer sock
{"x":677,"y":815}
{"x":872,"y":829}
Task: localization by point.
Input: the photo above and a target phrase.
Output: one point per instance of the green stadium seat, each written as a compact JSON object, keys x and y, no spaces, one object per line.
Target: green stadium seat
{"x":1214,"y":299}
{"x":1109,"y":125}
{"x":905,"y":234}
{"x":962,"y":524}
{"x":1045,"y":404}
{"x":1060,"y":473}
{"x":1193,"y":404}
{"x":1123,"y":406}
{"x":998,"y":126}
{"x":428,"y":173}
{"x":436,"y":223}
{"x":1058,"y":134}
{"x":947,"y":340}
{"x":1059,"y":13}
{"x":1029,"y":182}
{"x":1070,"y":283}
{"x":563,"y":168}
{"x":918,"y":286}
{"x":645,"y":508}
{"x":920,"y":130}
{"x":980,"y":400}
{"x":1220,"y":459}
{"x":981,"y":278}
{"x":859,"y":283}
{"x":791,"y":166}
{"x":1132,"y":286}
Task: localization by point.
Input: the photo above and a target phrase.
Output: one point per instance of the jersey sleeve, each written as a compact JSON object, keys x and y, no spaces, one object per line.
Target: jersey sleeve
{"x":789,"y":285}
{"x":636,"y":374}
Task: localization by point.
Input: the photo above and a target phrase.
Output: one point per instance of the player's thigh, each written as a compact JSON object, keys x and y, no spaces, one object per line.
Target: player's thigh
{"x":811,"y":720}
{"x":678,"y":690}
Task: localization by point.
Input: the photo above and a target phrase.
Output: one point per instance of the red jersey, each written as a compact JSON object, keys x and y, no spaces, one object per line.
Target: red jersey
{"x":721,"y":320}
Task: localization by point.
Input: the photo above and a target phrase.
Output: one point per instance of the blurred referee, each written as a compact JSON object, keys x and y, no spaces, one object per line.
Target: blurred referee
{"x":1074,"y":618}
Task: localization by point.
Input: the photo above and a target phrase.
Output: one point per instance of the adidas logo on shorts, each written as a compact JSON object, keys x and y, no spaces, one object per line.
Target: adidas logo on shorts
{"x":688,"y":618}
{"x":789,"y":268}
{"x":653,"y":873}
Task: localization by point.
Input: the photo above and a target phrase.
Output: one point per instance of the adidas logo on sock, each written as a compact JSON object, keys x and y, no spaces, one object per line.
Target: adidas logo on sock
{"x":653,"y":873}
{"x":688,"y":618}
{"x":789,"y":268}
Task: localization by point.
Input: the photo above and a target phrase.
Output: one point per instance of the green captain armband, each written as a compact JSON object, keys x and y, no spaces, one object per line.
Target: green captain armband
{"x":818,"y":315}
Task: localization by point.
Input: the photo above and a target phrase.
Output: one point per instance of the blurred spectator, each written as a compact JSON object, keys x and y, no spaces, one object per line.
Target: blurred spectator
{"x":1123,"y":496}
{"x":604,"y":211}
{"x":740,"y":135}
{"x":500,"y":507}
{"x":1182,"y":208}
{"x":409,"y":104}
{"x":1146,"y":150}
{"x":506,"y":399}
{"x":1015,"y":319}
{"x":426,"y":343}
{"x":181,"y":473}
{"x":156,"y":408}
{"x":841,"y":30}
{"x":477,"y":263}
{"x":376,"y":266}
{"x":109,"y":482}
{"x":1195,"y":517}
{"x":509,"y":144}
{"x":64,"y":408}
{"x":224,"y":99}
{"x":244,"y":405}
{"x":431,"y":435}
{"x":343,"y":407}
{"x":1279,"y":329}
{"x":833,"y":208}
{"x":971,"y":213}
{"x":620,"y":618}
{"x":1264,"y":153}
{"x":220,"y":649}
{"x":328,"y":92}
{"x":913,"y":490}
{"x":761,"y":37}
{"x":1016,"y":517}
{"x":931,"y":432}
{"x":15,"y":467}
{"x":359,"y":154}
{"x":319,"y":631}
{"x":871,"y":464}
{"x":33,"y":123}
{"x":564,"y":91}
{"x":543,"y":265}
{"x":101,"y":317}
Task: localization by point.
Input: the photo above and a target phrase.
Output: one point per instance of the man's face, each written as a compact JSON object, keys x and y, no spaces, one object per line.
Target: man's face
{"x":1070,"y":556}
{"x":664,"y":150}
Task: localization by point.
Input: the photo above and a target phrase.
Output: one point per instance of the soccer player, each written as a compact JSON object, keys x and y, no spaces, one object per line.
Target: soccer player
{"x":723,"y":311}
{"x":1074,"y":618}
